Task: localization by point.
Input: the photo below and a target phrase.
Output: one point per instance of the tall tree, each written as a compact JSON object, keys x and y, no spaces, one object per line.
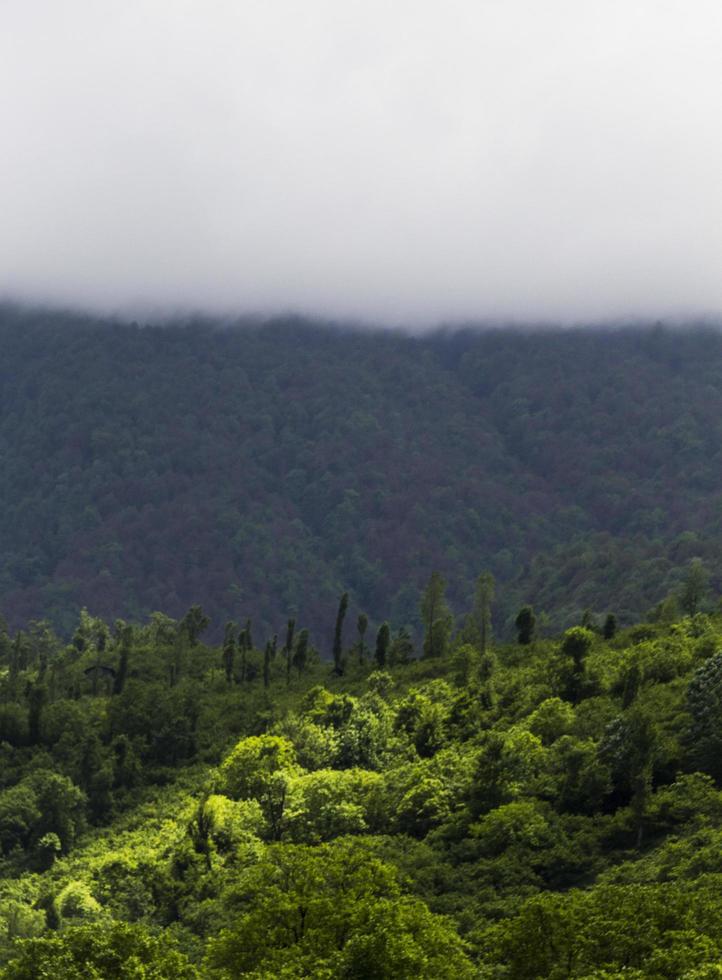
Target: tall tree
{"x":436,"y":617}
{"x":383,"y":638}
{"x":575,"y":646}
{"x":267,"y":654}
{"x":243,"y":648}
{"x":610,"y":626}
{"x":338,"y":635}
{"x":229,"y":650}
{"x":194,"y":623}
{"x":401,"y":650}
{"x":694,"y":587}
{"x":483,"y":599}
{"x":37,"y":696}
{"x":125,"y":633}
{"x":361,"y":625}
{"x":525,"y":625}
{"x":288,"y":648}
{"x":300,"y":655}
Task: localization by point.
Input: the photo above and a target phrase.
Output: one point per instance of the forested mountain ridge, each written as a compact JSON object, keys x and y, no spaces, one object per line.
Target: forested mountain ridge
{"x":544,"y":809}
{"x":262,"y":469}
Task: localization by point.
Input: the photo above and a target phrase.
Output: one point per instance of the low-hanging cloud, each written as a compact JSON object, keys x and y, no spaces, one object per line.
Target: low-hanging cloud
{"x":411,"y":161}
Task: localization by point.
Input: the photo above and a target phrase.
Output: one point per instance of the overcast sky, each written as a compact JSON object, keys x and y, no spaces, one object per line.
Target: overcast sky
{"x":404,"y":161}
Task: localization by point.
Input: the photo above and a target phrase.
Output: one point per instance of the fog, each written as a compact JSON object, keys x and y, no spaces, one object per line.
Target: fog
{"x":406,"y":162}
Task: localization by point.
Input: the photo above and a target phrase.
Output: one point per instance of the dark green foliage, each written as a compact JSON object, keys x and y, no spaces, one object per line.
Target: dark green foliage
{"x":575,"y":646}
{"x":229,"y":651}
{"x":704,"y":701}
{"x":383,"y":638}
{"x":159,"y":468}
{"x":125,"y":638}
{"x":194,"y":623}
{"x":37,"y":696}
{"x":525,"y":623}
{"x":435,"y":617}
{"x":361,"y":625}
{"x":288,"y":648}
{"x":267,"y":658}
{"x":248,"y":636}
{"x":588,"y":621}
{"x":401,"y":650}
{"x":483,"y":599}
{"x":338,"y":634}
{"x":694,"y":587}
{"x":610,"y":626}
{"x":300,"y":654}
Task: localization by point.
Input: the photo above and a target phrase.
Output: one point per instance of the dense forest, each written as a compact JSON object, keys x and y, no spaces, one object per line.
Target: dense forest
{"x":458,"y":807}
{"x":263,"y":468}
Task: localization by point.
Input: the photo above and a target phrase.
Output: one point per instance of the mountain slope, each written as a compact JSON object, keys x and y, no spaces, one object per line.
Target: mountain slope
{"x":262,"y":469}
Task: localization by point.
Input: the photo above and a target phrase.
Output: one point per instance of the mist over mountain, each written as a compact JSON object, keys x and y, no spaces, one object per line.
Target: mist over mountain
{"x":263,"y":470}
{"x":406,"y":164}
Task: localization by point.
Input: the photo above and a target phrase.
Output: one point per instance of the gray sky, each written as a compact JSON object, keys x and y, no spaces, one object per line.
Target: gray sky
{"x":404,"y":161}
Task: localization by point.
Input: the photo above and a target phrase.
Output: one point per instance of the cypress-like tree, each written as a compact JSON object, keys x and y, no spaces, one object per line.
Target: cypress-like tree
{"x":610,"y":626}
{"x":361,"y":625}
{"x":436,"y":617}
{"x":37,"y":696}
{"x":288,"y":648}
{"x":525,"y":625}
{"x":483,"y":598}
{"x":576,"y":644}
{"x":588,"y":621}
{"x":383,"y":638}
{"x":267,"y":664}
{"x":338,"y":635}
{"x":243,"y":647}
{"x":229,"y":650}
{"x":300,"y":655}
{"x":126,"y":633}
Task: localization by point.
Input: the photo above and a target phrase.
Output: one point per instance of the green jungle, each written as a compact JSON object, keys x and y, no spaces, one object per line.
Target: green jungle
{"x":338,"y":653}
{"x":550,"y":807}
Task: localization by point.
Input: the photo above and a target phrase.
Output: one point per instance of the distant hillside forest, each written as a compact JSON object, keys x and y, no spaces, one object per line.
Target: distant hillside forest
{"x":261,"y":469}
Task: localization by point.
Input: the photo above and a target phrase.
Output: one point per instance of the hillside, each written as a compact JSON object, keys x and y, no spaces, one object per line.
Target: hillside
{"x":171,"y":809}
{"x":262,"y":469}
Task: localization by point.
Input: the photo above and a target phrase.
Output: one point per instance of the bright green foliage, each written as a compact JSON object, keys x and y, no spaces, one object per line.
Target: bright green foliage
{"x":111,"y":951}
{"x":331,"y":803}
{"x":552,"y":719}
{"x":453,"y":815}
{"x":260,"y":768}
{"x":661,"y":931}
{"x":333,"y":911}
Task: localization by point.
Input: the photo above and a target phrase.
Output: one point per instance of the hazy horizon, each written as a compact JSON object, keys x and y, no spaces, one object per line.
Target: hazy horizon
{"x":436,"y":163}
